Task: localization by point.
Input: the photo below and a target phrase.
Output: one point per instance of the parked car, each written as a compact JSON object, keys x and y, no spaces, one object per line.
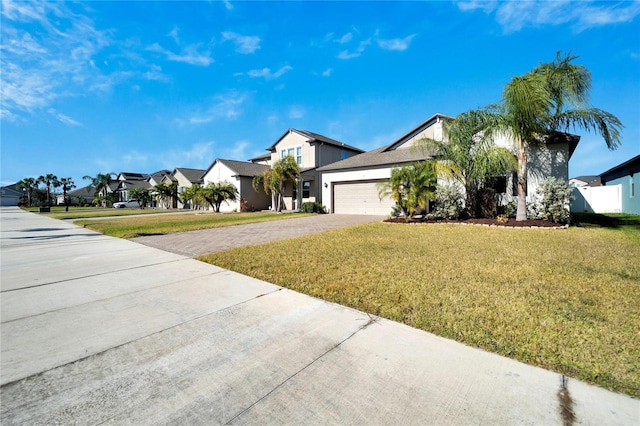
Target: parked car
{"x":123,"y":204}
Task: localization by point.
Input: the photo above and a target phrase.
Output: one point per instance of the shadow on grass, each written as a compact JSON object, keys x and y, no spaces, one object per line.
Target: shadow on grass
{"x":612,"y":221}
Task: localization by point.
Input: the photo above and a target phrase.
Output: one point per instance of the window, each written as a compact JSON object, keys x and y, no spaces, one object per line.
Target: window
{"x":499,"y":184}
{"x":343,"y":154}
{"x":299,"y":155}
{"x":283,"y":153}
{"x":633,"y":187}
{"x":306,"y":186}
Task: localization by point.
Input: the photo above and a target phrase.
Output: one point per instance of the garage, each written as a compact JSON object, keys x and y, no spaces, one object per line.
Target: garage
{"x":360,"y":198}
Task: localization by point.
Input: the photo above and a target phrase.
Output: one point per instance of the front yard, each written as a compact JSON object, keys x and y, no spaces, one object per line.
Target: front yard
{"x":566,"y":300}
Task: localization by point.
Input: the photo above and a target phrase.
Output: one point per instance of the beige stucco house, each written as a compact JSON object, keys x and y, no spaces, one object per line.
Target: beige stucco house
{"x":350,"y":186}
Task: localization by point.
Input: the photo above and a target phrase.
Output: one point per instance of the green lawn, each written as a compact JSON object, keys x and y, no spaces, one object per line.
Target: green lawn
{"x":562,"y":299}
{"x":168,"y":224}
{"x":58,"y":212}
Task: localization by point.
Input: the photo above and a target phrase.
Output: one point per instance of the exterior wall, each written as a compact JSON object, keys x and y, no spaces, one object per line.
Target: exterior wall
{"x":432,"y":132}
{"x":218,"y":173}
{"x":256,"y":200}
{"x":629,"y":187}
{"x":329,"y":178}
{"x":543,"y":161}
{"x":327,"y":154}
{"x":293,"y":140}
{"x":597,"y":199}
{"x":183,"y":183}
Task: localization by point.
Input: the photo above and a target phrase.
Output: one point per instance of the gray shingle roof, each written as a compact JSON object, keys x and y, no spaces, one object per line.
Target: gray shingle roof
{"x":378,"y":157}
{"x":192,"y":175}
{"x":241,"y":168}
{"x":315,"y":137}
{"x":262,"y":157}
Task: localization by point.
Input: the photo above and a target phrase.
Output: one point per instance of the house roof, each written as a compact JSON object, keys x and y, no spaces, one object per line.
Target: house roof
{"x":130,"y":184}
{"x":628,"y":167}
{"x":133,"y":176}
{"x":192,"y":175}
{"x":11,"y":189}
{"x":85,"y":191}
{"x":241,"y":168}
{"x":389,"y":154}
{"x":159,"y":175}
{"x":262,"y":157}
{"x":314,"y":138}
{"x":589,"y":180}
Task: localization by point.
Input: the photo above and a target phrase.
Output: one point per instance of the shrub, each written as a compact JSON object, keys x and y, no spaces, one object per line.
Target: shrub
{"x":555,"y":198}
{"x":312,"y":207}
{"x":448,"y":202}
{"x":396,"y":211}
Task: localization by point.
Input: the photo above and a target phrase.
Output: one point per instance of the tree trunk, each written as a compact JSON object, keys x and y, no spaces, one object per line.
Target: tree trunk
{"x":521,"y":213}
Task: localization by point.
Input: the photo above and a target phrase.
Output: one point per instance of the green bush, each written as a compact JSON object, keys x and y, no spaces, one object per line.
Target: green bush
{"x":312,"y":207}
{"x":448,"y":202}
{"x":554,"y":204}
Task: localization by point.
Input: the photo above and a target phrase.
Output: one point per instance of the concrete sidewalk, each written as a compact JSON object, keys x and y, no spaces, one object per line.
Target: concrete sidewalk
{"x":96,"y":329}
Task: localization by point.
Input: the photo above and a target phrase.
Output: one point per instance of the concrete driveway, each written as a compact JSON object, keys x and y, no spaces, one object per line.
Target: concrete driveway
{"x":205,"y":241}
{"x":97,"y":329}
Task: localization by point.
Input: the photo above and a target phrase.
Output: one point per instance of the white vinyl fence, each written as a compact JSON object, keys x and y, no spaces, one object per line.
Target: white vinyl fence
{"x":597,"y":199}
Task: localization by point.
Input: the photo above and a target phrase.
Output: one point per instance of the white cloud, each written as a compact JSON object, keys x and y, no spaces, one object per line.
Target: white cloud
{"x":63,"y":118}
{"x":155,"y":74}
{"x":228,"y":5}
{"x":238,"y":151}
{"x":228,"y":105}
{"x":513,"y":16}
{"x":346,"y":54}
{"x":267,"y":74}
{"x":327,"y":72}
{"x":399,"y":44}
{"x":244,"y":44}
{"x":189,"y":55}
{"x":296,"y":112}
{"x":345,"y":38}
{"x":174,"y":35}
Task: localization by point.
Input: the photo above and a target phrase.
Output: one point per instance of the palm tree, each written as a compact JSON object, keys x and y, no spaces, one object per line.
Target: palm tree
{"x":28,"y":185}
{"x":141,"y":195}
{"x":411,"y":187}
{"x":168,"y":193}
{"x":101,"y":184}
{"x":50,"y":181}
{"x":551,"y":98}
{"x":215,"y":193}
{"x":274,"y":180}
{"x":468,"y":156}
{"x":192,"y":196}
{"x":67,"y":185}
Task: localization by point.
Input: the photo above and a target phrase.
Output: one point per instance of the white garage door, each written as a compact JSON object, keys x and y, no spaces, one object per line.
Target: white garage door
{"x":360,"y":198}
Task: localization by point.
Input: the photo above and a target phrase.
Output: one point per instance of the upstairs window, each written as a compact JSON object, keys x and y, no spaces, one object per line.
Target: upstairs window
{"x":343,"y":154}
{"x":299,"y":155}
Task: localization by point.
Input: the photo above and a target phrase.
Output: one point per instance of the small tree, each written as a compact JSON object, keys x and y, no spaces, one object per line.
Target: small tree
{"x":101,"y":183}
{"x":274,"y":180}
{"x":216,"y":193}
{"x":555,"y":199}
{"x":410,"y":187}
{"x":28,"y":185}
{"x":168,"y":193}
{"x":193,"y":196}
{"x":141,"y":195}
{"x":67,"y":185}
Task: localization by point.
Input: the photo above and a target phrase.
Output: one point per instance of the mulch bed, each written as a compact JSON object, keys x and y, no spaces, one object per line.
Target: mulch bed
{"x":512,"y":223}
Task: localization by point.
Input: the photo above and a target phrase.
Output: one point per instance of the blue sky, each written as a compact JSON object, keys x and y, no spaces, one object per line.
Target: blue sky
{"x":96,"y":87}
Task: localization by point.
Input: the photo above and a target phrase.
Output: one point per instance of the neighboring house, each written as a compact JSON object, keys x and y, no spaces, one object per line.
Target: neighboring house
{"x":186,"y":178}
{"x":351,"y":186}
{"x":10,"y":195}
{"x":311,"y":152}
{"x":627,"y":175}
{"x":156,"y":178}
{"x":589,"y":180}
{"x":264,"y":159}
{"x":127,"y":181}
{"x":240,"y":174}
{"x":88,"y":193}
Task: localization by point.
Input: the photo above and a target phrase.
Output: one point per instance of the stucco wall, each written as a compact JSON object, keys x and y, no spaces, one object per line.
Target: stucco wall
{"x":256,"y":200}
{"x":218,"y":173}
{"x":293,"y":140}
{"x":630,"y":185}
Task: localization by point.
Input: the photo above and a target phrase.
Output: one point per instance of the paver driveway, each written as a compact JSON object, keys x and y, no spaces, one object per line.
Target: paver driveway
{"x":196,"y":243}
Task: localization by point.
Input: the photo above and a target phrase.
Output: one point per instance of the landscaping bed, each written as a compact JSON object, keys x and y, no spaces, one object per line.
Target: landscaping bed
{"x":511,"y":223}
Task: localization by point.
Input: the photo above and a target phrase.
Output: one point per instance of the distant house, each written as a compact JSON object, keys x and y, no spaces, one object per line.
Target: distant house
{"x":87,"y":193}
{"x":351,"y":186}
{"x":240,"y":174}
{"x":128,"y":181}
{"x":185,"y":178}
{"x":589,"y":180}
{"x":10,"y":195}
{"x":311,"y":151}
{"x":627,"y":175}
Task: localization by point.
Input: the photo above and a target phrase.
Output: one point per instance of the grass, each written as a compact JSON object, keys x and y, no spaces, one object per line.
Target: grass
{"x":168,"y":224}
{"x":567,"y":300}
{"x":58,"y":212}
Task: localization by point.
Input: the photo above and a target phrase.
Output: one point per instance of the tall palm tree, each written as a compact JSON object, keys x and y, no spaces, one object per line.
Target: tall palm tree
{"x":268,"y":185}
{"x":28,"y":185}
{"x":49,"y":181}
{"x":101,"y":183}
{"x":553,"y":97}
{"x":215,"y":193}
{"x":468,"y":156}
{"x":284,"y":170}
{"x":67,"y":185}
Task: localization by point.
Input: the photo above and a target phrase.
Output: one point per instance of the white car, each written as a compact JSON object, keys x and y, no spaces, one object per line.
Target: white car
{"x":123,"y":204}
